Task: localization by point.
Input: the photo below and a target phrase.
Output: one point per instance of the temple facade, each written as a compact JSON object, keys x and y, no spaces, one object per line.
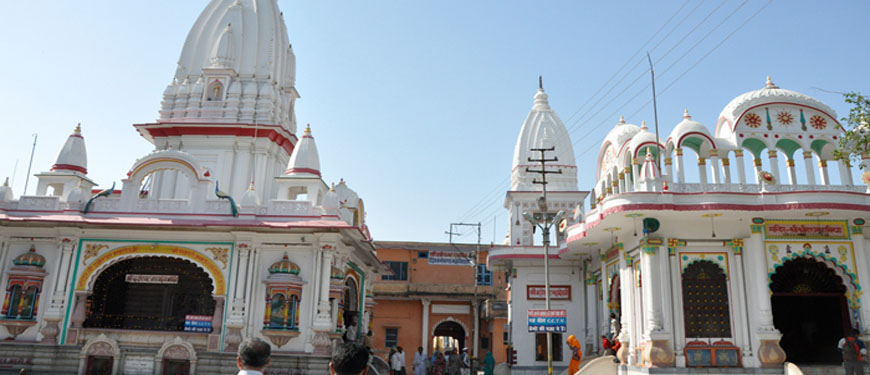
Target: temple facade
{"x":753,"y":258}
{"x":226,"y":230}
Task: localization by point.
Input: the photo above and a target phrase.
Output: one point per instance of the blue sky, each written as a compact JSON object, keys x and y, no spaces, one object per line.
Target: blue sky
{"x":418,"y":104}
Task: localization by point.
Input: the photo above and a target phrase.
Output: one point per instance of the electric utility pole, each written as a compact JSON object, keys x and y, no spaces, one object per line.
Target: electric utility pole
{"x":545,"y":223}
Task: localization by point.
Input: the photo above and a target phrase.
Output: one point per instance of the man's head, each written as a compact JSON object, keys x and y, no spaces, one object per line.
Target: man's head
{"x":399,"y":348}
{"x":254,"y":354}
{"x":420,"y":349}
{"x":349,"y":358}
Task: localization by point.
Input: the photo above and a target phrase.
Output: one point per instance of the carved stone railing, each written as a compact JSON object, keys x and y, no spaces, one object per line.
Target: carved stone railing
{"x":290,"y":208}
{"x":39,"y":203}
{"x":163,"y":205}
{"x":106,"y":205}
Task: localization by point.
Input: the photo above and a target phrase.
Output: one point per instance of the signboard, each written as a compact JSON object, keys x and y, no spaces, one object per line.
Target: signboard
{"x":197,"y":323}
{"x":151,"y":279}
{"x":448,"y":258}
{"x":138,"y":364}
{"x":557,"y":292}
{"x":548,"y":320}
{"x":797,"y":229}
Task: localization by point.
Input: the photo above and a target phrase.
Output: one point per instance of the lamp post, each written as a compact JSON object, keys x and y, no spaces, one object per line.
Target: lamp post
{"x":545,"y":223}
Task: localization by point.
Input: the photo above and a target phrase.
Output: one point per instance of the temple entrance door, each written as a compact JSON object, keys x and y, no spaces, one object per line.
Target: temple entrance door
{"x":810,"y":310}
{"x":149,"y":293}
{"x":448,"y":335}
{"x":351,"y":307}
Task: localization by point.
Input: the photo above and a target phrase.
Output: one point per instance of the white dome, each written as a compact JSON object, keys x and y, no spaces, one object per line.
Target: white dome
{"x":613,"y":142}
{"x":689,"y":127}
{"x":769,"y":94}
{"x":330,"y":199}
{"x":641,"y":139}
{"x":346,"y":196}
{"x":304,"y":162}
{"x":75,"y":195}
{"x":250,"y":198}
{"x":542,"y":129}
{"x":73,"y":157}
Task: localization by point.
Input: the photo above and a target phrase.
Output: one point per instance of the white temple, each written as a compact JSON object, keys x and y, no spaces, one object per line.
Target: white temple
{"x":226,"y":230}
{"x":730,"y":266}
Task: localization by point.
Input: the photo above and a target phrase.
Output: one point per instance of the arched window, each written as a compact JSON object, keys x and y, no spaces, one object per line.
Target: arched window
{"x":215,"y":91}
{"x":14,"y":302}
{"x":279,"y":311}
{"x":705,"y":301}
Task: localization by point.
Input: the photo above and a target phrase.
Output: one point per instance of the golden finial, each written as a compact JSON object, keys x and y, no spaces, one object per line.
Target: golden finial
{"x":686,"y":114}
{"x":308,"y":129}
{"x":769,"y":82}
{"x":621,"y":120}
{"x":251,"y":188}
{"x":78,"y":129}
{"x":643,"y":125}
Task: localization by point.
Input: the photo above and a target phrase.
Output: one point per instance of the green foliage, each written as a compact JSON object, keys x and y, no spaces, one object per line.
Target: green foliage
{"x":855,"y":142}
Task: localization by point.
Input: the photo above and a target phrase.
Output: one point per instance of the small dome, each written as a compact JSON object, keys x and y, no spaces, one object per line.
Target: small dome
{"x":330,"y":199}
{"x":304,"y":162}
{"x":6,"y":192}
{"x":649,"y":170}
{"x":250,"y":198}
{"x":30,"y":258}
{"x":346,"y":196}
{"x":641,"y":139}
{"x":284,"y":266}
{"x":73,"y":157}
{"x":689,"y":127}
{"x":75,"y":195}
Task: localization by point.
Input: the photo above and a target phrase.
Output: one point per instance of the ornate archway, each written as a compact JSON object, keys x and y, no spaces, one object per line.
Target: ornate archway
{"x":149,"y":293}
{"x":810,"y":310}
{"x":449,"y":333}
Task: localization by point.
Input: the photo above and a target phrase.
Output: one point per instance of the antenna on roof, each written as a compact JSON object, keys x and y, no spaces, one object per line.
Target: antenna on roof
{"x":32,"y":151}
{"x":655,"y":113}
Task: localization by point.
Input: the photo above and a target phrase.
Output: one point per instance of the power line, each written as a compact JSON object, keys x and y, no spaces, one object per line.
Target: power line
{"x":632,"y":57}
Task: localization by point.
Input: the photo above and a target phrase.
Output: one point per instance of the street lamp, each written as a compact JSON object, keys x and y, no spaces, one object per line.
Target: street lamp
{"x":545,"y":226}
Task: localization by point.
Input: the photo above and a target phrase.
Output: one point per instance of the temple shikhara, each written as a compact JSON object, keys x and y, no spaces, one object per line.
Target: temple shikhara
{"x":737,"y":244}
{"x":226,"y":230}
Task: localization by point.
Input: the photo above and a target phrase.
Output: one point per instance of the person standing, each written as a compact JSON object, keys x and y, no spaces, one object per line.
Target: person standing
{"x":254,"y":356}
{"x":466,"y":362}
{"x":853,"y":350}
{"x":419,"y":362}
{"x":488,"y":364}
{"x":614,"y":326}
{"x":454,"y":364}
{"x":397,"y":362}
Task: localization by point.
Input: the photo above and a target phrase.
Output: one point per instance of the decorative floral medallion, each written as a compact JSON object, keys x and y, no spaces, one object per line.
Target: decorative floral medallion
{"x":752,"y":120}
{"x":785,"y":118}
{"x":818,"y":122}
{"x":767,"y":177}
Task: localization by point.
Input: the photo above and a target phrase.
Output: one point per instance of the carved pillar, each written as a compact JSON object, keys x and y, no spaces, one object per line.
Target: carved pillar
{"x":635,"y":172}
{"x":792,"y":176}
{"x":859,"y":245}
{"x":236,"y":321}
{"x":845,"y":173}
{"x":424,"y":330}
{"x":769,"y":353}
{"x":808,"y":164}
{"x":57,"y":302}
{"x":681,"y":174}
{"x":738,"y":300}
{"x":669,"y":169}
{"x":823,"y":172}
{"x":774,"y":163}
{"x":702,"y":171}
{"x":628,"y":179}
{"x":657,"y":352}
{"x":741,"y":170}
{"x":714,"y":166}
{"x":757,"y":163}
{"x":626,"y":353}
{"x":726,"y":170}
{"x":621,"y":178}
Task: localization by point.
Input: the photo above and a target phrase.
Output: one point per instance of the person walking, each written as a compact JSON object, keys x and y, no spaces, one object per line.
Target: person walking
{"x":466,"y":362}
{"x":439,"y":367}
{"x":454,"y":364}
{"x":576,"y":355}
{"x":853,"y":350}
{"x":419,"y":362}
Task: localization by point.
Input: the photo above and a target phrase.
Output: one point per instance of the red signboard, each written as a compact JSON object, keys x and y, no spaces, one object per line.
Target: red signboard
{"x":557,"y":292}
